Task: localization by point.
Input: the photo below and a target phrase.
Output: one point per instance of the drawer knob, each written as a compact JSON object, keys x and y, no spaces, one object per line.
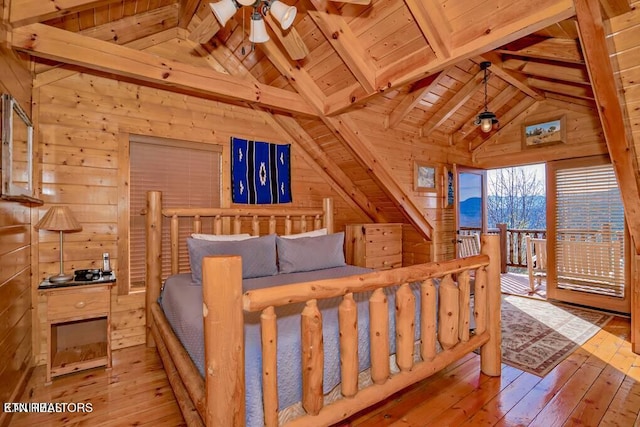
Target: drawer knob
{"x":80,"y":304}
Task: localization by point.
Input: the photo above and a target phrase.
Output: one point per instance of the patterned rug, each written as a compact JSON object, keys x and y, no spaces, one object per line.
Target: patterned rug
{"x":537,"y":335}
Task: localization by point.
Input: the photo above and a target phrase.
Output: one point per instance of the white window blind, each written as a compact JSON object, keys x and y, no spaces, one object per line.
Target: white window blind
{"x":590,"y":231}
{"x":188,"y":175}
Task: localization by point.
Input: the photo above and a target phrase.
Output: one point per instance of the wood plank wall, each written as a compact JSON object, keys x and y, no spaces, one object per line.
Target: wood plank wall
{"x":584,"y":138}
{"x":15,"y":256}
{"x":400,"y":151}
{"x":85,"y":121}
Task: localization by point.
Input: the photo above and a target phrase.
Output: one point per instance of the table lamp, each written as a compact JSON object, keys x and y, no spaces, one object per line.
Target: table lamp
{"x":59,"y":218}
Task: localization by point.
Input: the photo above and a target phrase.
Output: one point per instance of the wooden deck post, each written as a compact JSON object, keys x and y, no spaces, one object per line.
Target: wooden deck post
{"x":490,"y":352}
{"x":153,"y":223}
{"x":223,"y":340}
{"x":502,"y":230}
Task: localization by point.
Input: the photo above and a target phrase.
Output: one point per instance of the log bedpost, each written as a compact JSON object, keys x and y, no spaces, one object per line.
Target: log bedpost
{"x":490,"y":352}
{"x":327,"y":207}
{"x":223,"y":340}
{"x":154,"y":256}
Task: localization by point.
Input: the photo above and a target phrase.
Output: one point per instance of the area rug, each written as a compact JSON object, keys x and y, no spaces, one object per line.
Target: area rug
{"x":537,"y":335}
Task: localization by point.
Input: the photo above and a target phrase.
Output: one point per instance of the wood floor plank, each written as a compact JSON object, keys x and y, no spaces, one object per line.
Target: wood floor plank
{"x":600,"y":381}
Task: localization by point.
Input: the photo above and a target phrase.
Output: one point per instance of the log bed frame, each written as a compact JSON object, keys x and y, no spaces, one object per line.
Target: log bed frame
{"x":218,"y":399}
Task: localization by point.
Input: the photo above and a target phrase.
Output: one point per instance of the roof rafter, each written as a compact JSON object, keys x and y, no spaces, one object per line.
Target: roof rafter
{"x":59,"y":45}
{"x":452,"y":105}
{"x":188,"y":8}
{"x":510,"y":77}
{"x":411,"y":99}
{"x":572,"y":73}
{"x":433,"y":24}
{"x":555,"y":49}
{"x":347,"y":46}
{"x":290,"y":39}
{"x":207,"y":28}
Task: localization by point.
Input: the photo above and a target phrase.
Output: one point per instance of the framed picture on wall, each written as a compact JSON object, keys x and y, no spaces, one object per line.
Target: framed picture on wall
{"x":424,"y":177}
{"x":543,"y":133}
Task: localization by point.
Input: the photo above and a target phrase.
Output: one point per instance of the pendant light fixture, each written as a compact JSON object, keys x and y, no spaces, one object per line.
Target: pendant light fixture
{"x":284,"y":14}
{"x":486,"y":119}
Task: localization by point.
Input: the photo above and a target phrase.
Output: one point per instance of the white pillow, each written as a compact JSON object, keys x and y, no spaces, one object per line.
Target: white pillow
{"x":314,"y":233}
{"x":223,"y":237}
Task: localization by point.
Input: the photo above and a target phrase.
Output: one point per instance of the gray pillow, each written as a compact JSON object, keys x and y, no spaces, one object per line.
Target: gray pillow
{"x":310,"y":253}
{"x":258,"y":255}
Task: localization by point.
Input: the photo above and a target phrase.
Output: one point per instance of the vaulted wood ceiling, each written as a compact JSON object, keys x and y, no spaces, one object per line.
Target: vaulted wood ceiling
{"x":415,"y":62}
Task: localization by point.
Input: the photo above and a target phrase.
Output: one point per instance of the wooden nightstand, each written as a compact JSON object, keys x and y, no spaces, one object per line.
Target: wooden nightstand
{"x":78,"y":325}
{"x":376,"y":246}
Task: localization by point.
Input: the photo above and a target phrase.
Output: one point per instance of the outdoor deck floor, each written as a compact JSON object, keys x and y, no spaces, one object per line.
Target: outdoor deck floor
{"x":518,"y":284}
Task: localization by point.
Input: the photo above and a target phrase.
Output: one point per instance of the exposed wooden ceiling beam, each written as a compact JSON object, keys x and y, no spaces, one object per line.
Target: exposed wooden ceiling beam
{"x":365,"y":152}
{"x":411,"y":99}
{"x":613,"y":8}
{"x":621,"y":149}
{"x":572,"y":73}
{"x":64,"y":46}
{"x":297,"y":76}
{"x":452,"y":105}
{"x":420,"y":64}
{"x":577,"y":91}
{"x":347,"y":46}
{"x":430,"y":18}
{"x":29,"y":11}
{"x":554,"y":49}
{"x":206,"y":29}
{"x":510,"y":77}
{"x":188,"y":8}
{"x":304,"y":84}
{"x":290,"y":39}
{"x":468,"y":128}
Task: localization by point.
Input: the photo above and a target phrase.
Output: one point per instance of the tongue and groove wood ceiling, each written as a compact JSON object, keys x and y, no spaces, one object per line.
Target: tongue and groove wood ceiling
{"x":414,"y":63}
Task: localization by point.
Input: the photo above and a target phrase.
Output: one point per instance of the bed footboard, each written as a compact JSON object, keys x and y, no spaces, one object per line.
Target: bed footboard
{"x":224,"y":351}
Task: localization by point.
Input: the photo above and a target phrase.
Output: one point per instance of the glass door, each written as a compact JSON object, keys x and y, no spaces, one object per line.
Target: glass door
{"x":471,"y":206}
{"x":587,"y":238}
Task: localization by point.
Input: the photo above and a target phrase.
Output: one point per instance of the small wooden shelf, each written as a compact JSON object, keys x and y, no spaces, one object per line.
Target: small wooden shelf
{"x":78,"y":358}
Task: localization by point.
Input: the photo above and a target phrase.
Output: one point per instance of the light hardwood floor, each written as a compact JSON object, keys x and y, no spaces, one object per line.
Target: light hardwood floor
{"x":599,"y":384}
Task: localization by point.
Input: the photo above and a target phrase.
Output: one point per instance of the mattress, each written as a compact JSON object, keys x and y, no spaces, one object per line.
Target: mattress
{"x":181,"y":301}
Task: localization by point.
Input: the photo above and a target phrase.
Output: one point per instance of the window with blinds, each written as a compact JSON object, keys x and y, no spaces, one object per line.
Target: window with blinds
{"x":590,"y":231}
{"x":188,"y":174}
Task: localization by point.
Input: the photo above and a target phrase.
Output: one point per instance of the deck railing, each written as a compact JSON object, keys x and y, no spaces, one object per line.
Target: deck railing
{"x":513,"y":251}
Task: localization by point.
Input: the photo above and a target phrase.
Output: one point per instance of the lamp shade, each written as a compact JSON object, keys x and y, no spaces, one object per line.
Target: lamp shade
{"x":258,"y":29}
{"x":59,"y":218}
{"x":223,"y":10}
{"x":283,"y":13}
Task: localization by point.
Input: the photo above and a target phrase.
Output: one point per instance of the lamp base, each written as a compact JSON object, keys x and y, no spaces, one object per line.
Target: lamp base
{"x":59,"y":278}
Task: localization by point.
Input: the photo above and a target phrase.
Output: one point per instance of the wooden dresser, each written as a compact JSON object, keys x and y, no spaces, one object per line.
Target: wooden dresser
{"x":376,"y":246}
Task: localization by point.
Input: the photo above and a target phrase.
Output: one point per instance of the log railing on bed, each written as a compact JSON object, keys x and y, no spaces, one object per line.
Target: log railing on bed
{"x":219,"y":398}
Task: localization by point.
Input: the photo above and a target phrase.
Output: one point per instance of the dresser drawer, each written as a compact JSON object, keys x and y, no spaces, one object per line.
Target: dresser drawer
{"x":383,"y":248}
{"x":79,"y":304}
{"x":383,"y":233}
{"x":384,"y":262}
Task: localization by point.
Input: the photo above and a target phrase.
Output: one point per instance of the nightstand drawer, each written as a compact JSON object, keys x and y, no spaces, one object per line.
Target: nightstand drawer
{"x":384,"y":233}
{"x":384,"y":262}
{"x":86,"y":302}
{"x":384,"y":248}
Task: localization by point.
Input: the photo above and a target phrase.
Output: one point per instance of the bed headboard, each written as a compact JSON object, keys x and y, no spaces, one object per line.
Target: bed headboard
{"x":225,"y":221}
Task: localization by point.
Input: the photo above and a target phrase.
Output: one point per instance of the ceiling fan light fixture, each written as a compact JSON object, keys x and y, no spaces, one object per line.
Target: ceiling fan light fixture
{"x":283,"y":13}
{"x":486,"y":119}
{"x":247,"y":2}
{"x":258,"y":32}
{"x":224,"y":10}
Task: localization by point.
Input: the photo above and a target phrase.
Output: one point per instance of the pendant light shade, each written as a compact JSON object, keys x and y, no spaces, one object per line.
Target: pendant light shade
{"x":246,"y":2}
{"x":283,"y":13}
{"x":258,"y":29}
{"x":486,"y":119}
{"x":223,"y":10}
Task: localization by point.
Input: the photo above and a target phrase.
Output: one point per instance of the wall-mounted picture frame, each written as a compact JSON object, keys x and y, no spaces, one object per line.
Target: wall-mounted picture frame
{"x":424,"y":177}
{"x":544,"y":133}
{"x":17,"y":149}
